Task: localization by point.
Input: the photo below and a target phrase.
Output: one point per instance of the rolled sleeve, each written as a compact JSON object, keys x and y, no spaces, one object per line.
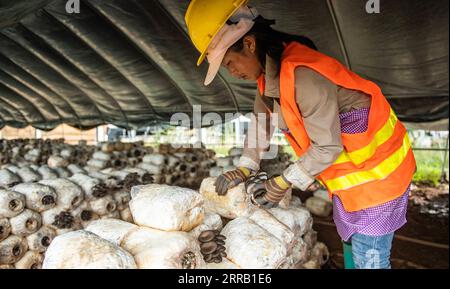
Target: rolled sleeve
{"x":257,"y":140}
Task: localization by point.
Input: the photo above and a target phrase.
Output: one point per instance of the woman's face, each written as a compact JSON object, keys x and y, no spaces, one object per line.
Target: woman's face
{"x":244,"y":64}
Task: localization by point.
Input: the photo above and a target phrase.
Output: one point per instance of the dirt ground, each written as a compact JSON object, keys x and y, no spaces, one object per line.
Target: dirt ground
{"x":422,"y":243}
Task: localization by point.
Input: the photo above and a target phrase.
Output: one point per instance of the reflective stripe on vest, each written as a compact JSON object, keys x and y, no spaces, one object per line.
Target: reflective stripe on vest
{"x":380,"y":172}
{"x":363,"y":154}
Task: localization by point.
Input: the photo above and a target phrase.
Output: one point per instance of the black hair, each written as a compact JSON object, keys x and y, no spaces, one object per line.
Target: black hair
{"x":270,"y":41}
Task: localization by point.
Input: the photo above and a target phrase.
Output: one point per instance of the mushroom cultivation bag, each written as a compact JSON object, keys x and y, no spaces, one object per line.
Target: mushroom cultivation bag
{"x":167,"y":208}
{"x":211,"y":221}
{"x":268,"y":238}
{"x":251,"y":247}
{"x":298,"y":219}
{"x":69,"y":194}
{"x":236,"y":203}
{"x":85,"y":250}
{"x":277,"y":228}
{"x":112,"y":230}
{"x":8,"y":178}
{"x":155,"y":249}
{"x":319,"y":206}
{"x":299,"y":254}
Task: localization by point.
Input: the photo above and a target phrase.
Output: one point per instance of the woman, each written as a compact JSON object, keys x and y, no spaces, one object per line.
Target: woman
{"x":339,"y":124}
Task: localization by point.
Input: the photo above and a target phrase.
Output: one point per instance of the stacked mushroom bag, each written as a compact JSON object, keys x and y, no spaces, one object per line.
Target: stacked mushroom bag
{"x":320,"y":204}
{"x":33,"y":214}
{"x":272,"y":166}
{"x":280,"y":237}
{"x":227,"y":163}
{"x":23,"y":239}
{"x":166,"y":214}
{"x":86,"y":250}
{"x":167,"y":208}
{"x":236,"y":203}
{"x":167,"y":220}
{"x":178,"y":166}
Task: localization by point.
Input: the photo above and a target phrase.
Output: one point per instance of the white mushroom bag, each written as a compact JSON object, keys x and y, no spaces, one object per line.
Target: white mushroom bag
{"x":268,"y":238}
{"x":155,"y":249}
{"x":251,"y":247}
{"x":112,"y":230}
{"x":85,"y":250}
{"x":236,"y":203}
{"x":152,"y":248}
{"x":167,"y":208}
{"x":211,"y":221}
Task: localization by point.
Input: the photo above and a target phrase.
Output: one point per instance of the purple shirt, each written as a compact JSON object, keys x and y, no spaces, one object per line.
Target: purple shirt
{"x":375,"y":221}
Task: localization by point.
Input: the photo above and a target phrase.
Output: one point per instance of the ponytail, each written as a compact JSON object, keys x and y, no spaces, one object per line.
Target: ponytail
{"x":270,"y":42}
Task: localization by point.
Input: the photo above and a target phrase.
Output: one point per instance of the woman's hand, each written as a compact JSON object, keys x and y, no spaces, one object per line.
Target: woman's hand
{"x":231,"y":179}
{"x":269,"y":193}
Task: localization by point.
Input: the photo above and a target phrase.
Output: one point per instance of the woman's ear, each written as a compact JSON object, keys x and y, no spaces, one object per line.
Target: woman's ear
{"x":250,"y":43}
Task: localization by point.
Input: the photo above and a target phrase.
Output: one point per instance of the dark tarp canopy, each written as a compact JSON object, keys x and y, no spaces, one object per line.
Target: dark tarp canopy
{"x":130,"y":62}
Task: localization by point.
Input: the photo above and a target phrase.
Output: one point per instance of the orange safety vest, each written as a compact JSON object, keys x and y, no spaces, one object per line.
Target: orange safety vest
{"x":375,"y":166}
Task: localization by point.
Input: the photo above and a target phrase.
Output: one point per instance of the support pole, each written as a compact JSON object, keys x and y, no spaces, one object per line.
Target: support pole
{"x":444,"y":161}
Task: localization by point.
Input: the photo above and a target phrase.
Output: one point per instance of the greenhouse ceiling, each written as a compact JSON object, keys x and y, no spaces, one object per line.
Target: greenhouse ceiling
{"x":130,"y":62}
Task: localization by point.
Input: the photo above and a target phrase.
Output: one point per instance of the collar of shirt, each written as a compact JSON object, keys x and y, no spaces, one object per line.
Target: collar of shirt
{"x":272,"y":88}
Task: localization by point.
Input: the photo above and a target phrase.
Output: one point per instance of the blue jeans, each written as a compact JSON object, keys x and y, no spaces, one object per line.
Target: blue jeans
{"x":372,"y":252}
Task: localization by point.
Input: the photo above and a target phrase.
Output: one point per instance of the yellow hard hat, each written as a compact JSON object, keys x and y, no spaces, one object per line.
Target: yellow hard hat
{"x":204,"y":18}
